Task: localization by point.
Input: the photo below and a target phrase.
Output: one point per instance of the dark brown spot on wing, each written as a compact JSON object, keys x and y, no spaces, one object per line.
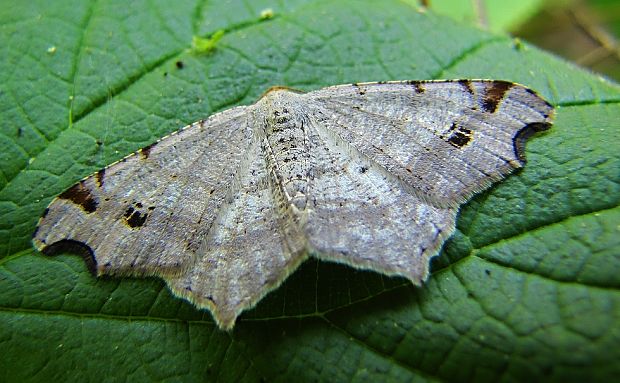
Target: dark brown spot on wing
{"x":99,"y":176}
{"x":494,"y":94}
{"x":459,"y":139}
{"x":523,"y":134}
{"x":417,"y":85}
{"x":135,"y":218}
{"x":466,"y":84}
{"x":459,"y":136}
{"x":361,"y":91}
{"x":145,"y":152}
{"x":80,"y":195}
{"x":75,"y":247}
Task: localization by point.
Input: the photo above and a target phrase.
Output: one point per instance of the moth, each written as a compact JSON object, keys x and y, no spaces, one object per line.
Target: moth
{"x":370,"y":175}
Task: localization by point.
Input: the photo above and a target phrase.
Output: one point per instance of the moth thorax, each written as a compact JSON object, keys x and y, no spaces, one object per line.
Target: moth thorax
{"x":280,"y":119}
{"x":287,"y":138}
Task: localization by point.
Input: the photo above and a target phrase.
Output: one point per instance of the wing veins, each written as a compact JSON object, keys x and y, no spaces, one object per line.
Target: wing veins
{"x":404,"y":184}
{"x":187,"y":180}
{"x":468,"y":113}
{"x":178,"y":198}
{"x":383,"y":153}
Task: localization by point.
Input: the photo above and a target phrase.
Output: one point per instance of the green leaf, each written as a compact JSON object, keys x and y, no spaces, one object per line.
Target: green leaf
{"x":497,"y":16}
{"x":527,"y":289}
{"x":202,"y":45}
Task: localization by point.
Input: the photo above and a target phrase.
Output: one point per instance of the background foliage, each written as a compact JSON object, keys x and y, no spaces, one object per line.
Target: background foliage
{"x":526,"y":289}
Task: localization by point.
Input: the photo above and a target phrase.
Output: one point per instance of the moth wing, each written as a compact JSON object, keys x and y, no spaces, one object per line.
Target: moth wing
{"x":148,"y":213}
{"x":445,"y":140}
{"x":361,"y":215}
{"x":251,"y":248}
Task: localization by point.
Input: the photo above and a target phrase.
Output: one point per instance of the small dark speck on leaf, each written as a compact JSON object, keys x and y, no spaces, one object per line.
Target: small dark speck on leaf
{"x":517,"y":44}
{"x":180,"y":64}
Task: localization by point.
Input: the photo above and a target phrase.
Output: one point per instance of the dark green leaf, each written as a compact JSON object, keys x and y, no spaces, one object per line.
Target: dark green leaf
{"x":527,"y":289}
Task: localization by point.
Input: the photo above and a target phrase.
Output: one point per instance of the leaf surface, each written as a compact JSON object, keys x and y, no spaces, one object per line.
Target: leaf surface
{"x":527,"y":288}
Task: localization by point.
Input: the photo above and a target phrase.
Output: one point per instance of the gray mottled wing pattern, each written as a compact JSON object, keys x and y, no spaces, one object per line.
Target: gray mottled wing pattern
{"x":148,"y":213}
{"x":428,"y":133}
{"x":370,"y":175}
{"x":359,"y":214}
{"x":249,"y":251}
